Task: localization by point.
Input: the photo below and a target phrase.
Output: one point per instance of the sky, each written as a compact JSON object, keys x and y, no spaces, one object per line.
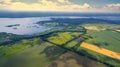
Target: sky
{"x":61,"y":5}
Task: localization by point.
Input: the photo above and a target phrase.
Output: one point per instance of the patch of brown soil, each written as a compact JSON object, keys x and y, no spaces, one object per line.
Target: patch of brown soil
{"x":71,"y":59}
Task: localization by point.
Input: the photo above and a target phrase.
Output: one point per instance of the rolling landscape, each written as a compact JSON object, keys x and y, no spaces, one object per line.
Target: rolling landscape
{"x":48,"y":33}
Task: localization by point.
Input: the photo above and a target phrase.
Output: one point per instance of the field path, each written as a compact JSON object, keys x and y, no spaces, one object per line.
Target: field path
{"x":103,"y":51}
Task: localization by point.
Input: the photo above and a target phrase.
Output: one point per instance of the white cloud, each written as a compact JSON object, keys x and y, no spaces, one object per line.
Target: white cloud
{"x":6,"y":1}
{"x":43,"y":5}
{"x":114,"y":5}
{"x":60,"y":5}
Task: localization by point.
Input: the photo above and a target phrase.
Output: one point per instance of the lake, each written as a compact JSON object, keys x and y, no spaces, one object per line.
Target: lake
{"x":22,"y":26}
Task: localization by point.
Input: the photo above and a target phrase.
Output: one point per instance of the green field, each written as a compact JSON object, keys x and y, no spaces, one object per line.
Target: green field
{"x":63,"y":37}
{"x":106,"y":39}
{"x":18,"y":46}
{"x":36,"y":56}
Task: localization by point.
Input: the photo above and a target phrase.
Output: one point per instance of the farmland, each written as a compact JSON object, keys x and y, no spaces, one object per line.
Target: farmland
{"x":103,"y":36}
{"x":62,"y":38}
{"x":47,"y":55}
{"x":18,"y":46}
{"x":105,"y":26}
{"x":100,"y":50}
{"x":47,"y":48}
{"x":105,"y":39}
{"x":36,"y":56}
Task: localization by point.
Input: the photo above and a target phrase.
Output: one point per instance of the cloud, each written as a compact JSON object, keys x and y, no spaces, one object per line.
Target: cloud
{"x":110,"y":8}
{"x":59,"y":5}
{"x":114,"y":5}
{"x":6,"y":1}
{"x":43,"y":5}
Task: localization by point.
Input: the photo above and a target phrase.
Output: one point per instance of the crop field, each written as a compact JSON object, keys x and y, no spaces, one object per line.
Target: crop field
{"x":98,"y":56}
{"x":63,"y":37}
{"x":106,"y":39}
{"x":118,"y":31}
{"x":100,"y":50}
{"x":104,"y":26}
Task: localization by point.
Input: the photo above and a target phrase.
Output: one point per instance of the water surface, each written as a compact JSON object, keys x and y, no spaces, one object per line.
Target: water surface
{"x":22,"y":26}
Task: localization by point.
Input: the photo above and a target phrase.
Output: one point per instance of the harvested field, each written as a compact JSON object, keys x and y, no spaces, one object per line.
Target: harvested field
{"x":103,"y":51}
{"x":118,"y":31}
{"x":91,"y":28}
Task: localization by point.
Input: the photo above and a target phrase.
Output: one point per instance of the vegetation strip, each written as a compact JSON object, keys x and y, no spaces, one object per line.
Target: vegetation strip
{"x":103,"y":51}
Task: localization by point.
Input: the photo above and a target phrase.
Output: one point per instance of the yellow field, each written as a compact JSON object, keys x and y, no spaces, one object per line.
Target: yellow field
{"x":117,"y":30}
{"x":103,"y":51}
{"x":92,"y":28}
